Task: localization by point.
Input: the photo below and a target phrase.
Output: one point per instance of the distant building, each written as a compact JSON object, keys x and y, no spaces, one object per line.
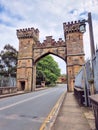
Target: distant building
{"x":62,"y":79}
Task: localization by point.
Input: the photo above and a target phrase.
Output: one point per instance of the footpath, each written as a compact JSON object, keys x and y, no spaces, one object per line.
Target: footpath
{"x":74,"y":117}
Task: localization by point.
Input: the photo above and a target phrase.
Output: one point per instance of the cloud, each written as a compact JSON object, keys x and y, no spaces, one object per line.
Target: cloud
{"x":48,"y":16}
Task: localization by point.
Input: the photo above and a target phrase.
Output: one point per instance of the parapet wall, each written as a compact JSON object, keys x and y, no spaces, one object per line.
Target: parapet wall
{"x":50,"y":42}
{"x":72,"y":27}
{"x":28,"y":33}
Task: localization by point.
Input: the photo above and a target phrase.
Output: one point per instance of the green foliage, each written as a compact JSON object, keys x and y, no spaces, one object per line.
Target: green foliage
{"x":8,"y":60}
{"x":48,"y":70}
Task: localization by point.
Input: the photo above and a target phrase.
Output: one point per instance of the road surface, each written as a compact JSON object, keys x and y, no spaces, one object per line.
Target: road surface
{"x":28,"y":111}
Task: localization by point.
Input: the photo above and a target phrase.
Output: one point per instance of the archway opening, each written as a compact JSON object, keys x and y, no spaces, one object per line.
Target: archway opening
{"x":48,"y":73}
{"x":22,"y":85}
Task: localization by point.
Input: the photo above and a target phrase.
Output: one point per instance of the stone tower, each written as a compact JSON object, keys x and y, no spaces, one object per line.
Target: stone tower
{"x":75,"y":53}
{"x":26,"y":69}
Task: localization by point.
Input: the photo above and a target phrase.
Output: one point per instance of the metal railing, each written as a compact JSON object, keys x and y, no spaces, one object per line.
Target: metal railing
{"x":94,"y":102}
{"x":78,"y":92}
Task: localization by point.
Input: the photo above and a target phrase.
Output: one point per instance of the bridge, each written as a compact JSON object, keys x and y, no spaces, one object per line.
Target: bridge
{"x":16,"y":111}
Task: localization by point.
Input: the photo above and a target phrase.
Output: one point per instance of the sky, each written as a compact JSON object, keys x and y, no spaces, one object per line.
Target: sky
{"x":48,"y":16}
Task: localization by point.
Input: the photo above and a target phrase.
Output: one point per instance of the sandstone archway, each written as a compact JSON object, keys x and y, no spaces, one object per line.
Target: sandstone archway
{"x":31,"y":50}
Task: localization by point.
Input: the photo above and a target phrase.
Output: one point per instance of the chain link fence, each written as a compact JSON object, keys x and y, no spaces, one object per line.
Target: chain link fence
{"x":7,"y":81}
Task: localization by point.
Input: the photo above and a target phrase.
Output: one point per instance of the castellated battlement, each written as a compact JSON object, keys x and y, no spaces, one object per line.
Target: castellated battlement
{"x":28,"y":33}
{"x":72,"y":27}
{"x":50,"y":42}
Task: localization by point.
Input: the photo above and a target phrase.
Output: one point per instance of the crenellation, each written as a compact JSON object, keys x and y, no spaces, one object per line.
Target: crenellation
{"x":48,"y":38}
{"x":71,"y":23}
{"x":37,"y":30}
{"x":28,"y":29}
{"x":60,"y":40}
{"x":75,"y":22}
{"x":71,"y":27}
{"x":49,"y":41}
{"x":64,"y":23}
{"x":28,"y":33}
{"x":38,"y":44}
{"x":78,"y":21}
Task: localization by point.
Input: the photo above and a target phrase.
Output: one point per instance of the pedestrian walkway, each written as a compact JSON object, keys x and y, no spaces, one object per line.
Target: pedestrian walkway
{"x":71,"y":116}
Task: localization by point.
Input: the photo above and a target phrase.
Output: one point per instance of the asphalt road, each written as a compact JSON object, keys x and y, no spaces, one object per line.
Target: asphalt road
{"x":28,"y":111}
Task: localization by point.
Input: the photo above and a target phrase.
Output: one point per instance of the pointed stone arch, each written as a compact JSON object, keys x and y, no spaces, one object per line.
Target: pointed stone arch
{"x":49,"y":46}
{"x":48,"y":53}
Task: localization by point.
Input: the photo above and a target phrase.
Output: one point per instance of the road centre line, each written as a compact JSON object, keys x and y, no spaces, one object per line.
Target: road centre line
{"x":14,"y":104}
{"x":53,"y":113}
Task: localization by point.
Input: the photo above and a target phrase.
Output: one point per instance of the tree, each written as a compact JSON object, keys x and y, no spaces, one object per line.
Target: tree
{"x":8,"y":60}
{"x":47,"y":69}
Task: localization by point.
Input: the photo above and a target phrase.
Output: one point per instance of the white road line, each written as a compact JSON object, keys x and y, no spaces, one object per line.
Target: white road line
{"x":14,"y":104}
